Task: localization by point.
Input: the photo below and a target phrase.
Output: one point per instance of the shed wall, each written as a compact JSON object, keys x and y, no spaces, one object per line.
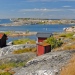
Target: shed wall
{"x":40,"y":50}
{"x":41,"y":39}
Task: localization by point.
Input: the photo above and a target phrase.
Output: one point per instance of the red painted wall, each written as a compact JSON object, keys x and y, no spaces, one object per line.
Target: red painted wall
{"x":40,"y":50}
{"x":41,"y":39}
{"x":43,"y":49}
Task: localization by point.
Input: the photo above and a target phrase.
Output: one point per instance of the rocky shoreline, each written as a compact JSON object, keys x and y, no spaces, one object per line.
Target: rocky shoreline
{"x":70,"y":29}
{"x":24,"y":21}
{"x":18,"y":33}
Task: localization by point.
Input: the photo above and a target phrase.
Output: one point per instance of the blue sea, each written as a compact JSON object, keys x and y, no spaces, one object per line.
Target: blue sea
{"x":2,"y":21}
{"x":32,"y":28}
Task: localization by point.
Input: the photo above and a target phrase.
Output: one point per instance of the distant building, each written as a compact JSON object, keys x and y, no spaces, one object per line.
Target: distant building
{"x":3,"y":38}
{"x":43,"y":47}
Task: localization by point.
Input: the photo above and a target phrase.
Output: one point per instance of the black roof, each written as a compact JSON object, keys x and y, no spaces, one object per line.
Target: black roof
{"x":44,"y":35}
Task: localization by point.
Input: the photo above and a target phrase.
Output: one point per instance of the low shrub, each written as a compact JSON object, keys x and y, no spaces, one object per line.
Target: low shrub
{"x":54,"y":42}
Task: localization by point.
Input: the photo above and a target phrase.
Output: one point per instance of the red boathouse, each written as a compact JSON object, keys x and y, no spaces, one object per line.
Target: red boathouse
{"x":43,"y":47}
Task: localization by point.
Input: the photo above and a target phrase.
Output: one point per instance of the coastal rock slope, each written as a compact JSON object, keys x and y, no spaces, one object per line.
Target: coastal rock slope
{"x":47,"y":64}
{"x":9,"y":49}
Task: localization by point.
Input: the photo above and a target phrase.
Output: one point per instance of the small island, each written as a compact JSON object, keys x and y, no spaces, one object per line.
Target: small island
{"x":31,"y":21}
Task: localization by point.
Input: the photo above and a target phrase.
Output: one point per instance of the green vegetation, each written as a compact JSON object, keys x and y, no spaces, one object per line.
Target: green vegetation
{"x":24,"y":50}
{"x":5,"y":68}
{"x":5,"y":73}
{"x":11,"y":65}
{"x":7,"y":32}
{"x":23,"y":19}
{"x":54,"y":42}
{"x":24,"y":41}
{"x":67,"y":35}
{"x":41,"y":23}
{"x":68,"y":40}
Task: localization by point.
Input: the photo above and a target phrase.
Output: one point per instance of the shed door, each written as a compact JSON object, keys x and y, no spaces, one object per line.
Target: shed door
{"x":47,"y":49}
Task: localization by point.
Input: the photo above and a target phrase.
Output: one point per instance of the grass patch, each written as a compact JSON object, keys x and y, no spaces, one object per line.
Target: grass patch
{"x":5,"y":73}
{"x":11,"y":65}
{"x":24,"y":50}
{"x":70,"y":47}
{"x":66,"y":35}
{"x":24,"y":41}
{"x":7,"y":32}
{"x":70,"y":68}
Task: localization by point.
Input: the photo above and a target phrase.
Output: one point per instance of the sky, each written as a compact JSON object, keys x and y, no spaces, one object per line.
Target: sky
{"x":50,"y":9}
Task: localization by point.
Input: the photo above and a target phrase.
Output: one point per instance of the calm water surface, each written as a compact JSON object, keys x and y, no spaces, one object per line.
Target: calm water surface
{"x":34,"y":28}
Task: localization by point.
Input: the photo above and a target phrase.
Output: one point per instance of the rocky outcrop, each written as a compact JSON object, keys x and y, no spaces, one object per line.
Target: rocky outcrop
{"x":16,"y":58}
{"x":9,"y":49}
{"x":7,"y":56}
{"x":47,"y":64}
{"x":70,"y":29}
{"x":24,"y":57}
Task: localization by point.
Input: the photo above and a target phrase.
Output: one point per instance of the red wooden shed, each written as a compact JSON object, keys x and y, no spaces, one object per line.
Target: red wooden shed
{"x":43,"y":47}
{"x":3,"y":39}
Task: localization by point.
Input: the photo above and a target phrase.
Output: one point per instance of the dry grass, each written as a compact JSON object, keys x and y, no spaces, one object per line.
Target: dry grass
{"x":69,"y":69}
{"x":24,"y":50}
{"x":23,"y":41}
{"x":71,"y":47}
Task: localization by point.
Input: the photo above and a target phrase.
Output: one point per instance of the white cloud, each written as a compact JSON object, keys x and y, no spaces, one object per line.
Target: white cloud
{"x":66,"y":6}
{"x":42,"y":10}
{"x":46,"y":10}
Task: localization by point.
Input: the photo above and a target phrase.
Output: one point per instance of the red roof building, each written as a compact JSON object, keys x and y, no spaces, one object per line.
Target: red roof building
{"x":3,"y":39}
{"x":42,"y":47}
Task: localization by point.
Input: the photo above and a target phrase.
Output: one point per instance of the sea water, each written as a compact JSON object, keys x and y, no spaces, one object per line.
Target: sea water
{"x":32,"y":28}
